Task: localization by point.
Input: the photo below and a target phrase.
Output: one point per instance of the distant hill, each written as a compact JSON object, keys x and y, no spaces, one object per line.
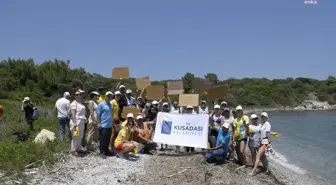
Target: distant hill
{"x":47,"y":81}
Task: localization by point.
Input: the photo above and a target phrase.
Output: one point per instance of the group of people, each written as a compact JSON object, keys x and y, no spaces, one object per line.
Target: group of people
{"x":102,"y":119}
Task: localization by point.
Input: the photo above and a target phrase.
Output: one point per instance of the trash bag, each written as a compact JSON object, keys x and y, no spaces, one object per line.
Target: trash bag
{"x":19,"y":136}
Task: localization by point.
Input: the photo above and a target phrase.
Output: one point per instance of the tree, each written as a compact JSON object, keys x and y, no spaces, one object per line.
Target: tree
{"x":187,"y":82}
{"x":212,"y":77}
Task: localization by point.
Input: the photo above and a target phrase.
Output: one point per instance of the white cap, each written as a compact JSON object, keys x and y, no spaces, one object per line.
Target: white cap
{"x":216,"y":107}
{"x":128,"y":91}
{"x":226,"y":125}
{"x":130,"y":115}
{"x":108,"y":93}
{"x":264,"y":114}
{"x":239,"y":107}
{"x":223,"y":103}
{"x":117,"y":92}
{"x":190,"y":107}
{"x":26,"y":99}
{"x":95,"y":93}
{"x":155,"y":102}
{"x":203,"y":101}
{"x":122,"y":86}
{"x":139,"y":98}
{"x":165,"y":103}
{"x":139,"y":117}
{"x":66,"y":94}
{"x":80,"y":90}
{"x":253,"y":116}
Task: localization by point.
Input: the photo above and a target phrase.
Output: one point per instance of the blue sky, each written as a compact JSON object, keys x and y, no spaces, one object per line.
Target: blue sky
{"x":167,"y":38}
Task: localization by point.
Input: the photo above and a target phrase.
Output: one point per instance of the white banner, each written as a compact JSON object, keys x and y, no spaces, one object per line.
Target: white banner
{"x":182,"y":129}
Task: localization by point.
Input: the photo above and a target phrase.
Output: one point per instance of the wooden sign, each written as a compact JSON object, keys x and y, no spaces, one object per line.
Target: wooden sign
{"x":188,"y":99}
{"x":147,"y":77}
{"x":155,"y":92}
{"x":217,"y":92}
{"x":175,"y":92}
{"x":201,"y":85}
{"x":142,"y":83}
{"x":175,"y":85}
{"x":134,"y":111}
{"x":120,"y":72}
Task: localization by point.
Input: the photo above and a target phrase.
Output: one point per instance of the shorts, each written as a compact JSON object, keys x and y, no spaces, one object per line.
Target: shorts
{"x":263,"y":146}
{"x":244,"y":139}
{"x":119,"y":147}
{"x":213,"y":132}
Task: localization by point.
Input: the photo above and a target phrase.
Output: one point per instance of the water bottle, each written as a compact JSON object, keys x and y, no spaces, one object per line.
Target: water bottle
{"x":75,"y":132}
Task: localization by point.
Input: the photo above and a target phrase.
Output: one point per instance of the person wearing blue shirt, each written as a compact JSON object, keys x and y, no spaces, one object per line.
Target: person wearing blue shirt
{"x":104,"y":117}
{"x":222,"y":144}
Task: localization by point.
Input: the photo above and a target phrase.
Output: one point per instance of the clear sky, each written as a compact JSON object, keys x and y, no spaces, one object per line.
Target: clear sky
{"x":167,"y":38}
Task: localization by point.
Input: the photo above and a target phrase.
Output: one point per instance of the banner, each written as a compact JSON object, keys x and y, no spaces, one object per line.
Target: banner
{"x":182,"y":129}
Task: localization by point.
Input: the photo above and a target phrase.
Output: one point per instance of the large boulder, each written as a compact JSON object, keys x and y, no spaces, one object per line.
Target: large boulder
{"x":44,"y":135}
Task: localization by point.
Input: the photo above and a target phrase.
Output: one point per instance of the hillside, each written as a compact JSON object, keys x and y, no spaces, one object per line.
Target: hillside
{"x":47,"y":81}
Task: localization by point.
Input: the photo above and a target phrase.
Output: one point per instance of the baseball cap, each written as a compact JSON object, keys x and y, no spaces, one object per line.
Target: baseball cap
{"x":226,"y":125}
{"x":165,"y":103}
{"x":223,"y":103}
{"x":253,"y":116}
{"x":122,"y":86}
{"x":139,"y":117}
{"x":190,"y":107}
{"x":117,"y":92}
{"x":26,"y":99}
{"x":108,"y":93}
{"x":95,"y":93}
{"x":203,"y":101}
{"x":216,"y":107}
{"x":264,"y":114}
{"x":155,"y":102}
{"x":148,"y":105}
{"x":130,"y":115}
{"x":227,"y":109}
{"x":128,"y":91}
{"x":80,"y":90}
{"x":239,"y":107}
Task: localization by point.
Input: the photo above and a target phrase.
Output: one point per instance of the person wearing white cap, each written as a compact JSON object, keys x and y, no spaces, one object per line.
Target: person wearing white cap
{"x":223,"y":105}
{"x":62,"y":106}
{"x":28,"y":108}
{"x":165,"y":107}
{"x":124,"y":142}
{"x":92,"y":129}
{"x":240,"y":135}
{"x":122,"y":100}
{"x":190,"y":110}
{"x":175,"y":108}
{"x":265,"y":142}
{"x":216,"y":121}
{"x":253,"y":131}
{"x":104,"y":119}
{"x":155,"y":104}
{"x":143,"y":135}
{"x":77,"y":123}
{"x":130,"y":100}
{"x":218,"y":153}
{"x":203,"y":109}
{"x":230,"y":120}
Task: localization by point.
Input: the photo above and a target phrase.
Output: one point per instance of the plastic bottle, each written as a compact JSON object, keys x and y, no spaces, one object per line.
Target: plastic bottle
{"x":75,"y":132}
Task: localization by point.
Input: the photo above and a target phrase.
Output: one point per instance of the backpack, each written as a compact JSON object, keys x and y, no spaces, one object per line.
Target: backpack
{"x":36,"y":113}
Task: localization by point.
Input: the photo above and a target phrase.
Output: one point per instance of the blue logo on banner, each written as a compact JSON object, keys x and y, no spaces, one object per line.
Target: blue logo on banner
{"x":166,"y":127}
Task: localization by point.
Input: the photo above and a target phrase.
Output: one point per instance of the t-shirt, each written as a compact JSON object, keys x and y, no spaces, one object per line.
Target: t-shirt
{"x":205,"y":111}
{"x":80,"y":110}
{"x":124,"y":133}
{"x":130,"y":101}
{"x":29,"y":111}
{"x":240,"y":131}
{"x":95,"y":106}
{"x":115,"y":109}
{"x":229,"y":120}
{"x":1,"y":112}
{"x":177,"y":110}
{"x":101,"y":98}
{"x":223,"y":137}
{"x":254,"y":135}
{"x":62,"y":106}
{"x":266,"y":127}
{"x":104,"y":111}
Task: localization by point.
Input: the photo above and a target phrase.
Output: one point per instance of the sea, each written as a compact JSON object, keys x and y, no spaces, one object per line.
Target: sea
{"x":306,"y":145}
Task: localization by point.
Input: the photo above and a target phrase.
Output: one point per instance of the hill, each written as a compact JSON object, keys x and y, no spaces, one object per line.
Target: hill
{"x":47,"y":81}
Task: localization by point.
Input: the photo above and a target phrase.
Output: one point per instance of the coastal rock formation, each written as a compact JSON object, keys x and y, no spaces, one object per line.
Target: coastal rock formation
{"x":314,"y":105}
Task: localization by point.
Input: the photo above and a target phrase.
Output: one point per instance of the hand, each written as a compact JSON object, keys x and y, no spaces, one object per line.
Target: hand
{"x":234,"y":143}
{"x":135,"y":144}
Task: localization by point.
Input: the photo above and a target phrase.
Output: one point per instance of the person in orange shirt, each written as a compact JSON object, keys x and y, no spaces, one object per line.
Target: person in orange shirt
{"x":1,"y":113}
{"x":143,"y":135}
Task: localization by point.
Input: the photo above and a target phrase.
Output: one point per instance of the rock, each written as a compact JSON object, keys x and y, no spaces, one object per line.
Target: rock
{"x":44,"y":135}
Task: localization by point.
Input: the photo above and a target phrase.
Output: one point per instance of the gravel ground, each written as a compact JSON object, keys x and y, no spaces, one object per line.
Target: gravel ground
{"x":162,"y":168}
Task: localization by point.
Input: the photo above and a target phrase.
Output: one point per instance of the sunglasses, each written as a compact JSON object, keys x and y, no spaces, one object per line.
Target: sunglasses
{"x":77,"y":94}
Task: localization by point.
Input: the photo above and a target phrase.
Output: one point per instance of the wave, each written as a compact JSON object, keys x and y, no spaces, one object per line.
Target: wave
{"x":282,"y":160}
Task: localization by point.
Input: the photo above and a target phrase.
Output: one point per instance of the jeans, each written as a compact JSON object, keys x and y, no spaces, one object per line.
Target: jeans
{"x":216,"y":153}
{"x":62,"y":122}
{"x":104,"y":142}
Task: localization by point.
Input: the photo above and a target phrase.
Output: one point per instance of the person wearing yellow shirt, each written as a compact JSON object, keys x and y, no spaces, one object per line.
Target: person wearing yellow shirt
{"x":124,"y":142}
{"x":115,"y":116}
{"x":239,"y":138}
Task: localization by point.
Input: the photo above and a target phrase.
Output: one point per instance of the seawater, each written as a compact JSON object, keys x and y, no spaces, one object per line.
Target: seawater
{"x":306,"y":144}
